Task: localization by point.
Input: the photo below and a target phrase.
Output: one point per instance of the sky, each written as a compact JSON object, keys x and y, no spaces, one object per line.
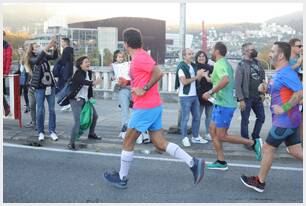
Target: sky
{"x":212,"y":13}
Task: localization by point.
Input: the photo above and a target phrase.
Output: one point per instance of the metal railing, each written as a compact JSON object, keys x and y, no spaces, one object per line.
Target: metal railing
{"x":166,"y":84}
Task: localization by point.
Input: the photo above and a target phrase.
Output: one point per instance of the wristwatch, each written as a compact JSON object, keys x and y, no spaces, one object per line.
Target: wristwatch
{"x":210,"y":92}
{"x":146,"y":88}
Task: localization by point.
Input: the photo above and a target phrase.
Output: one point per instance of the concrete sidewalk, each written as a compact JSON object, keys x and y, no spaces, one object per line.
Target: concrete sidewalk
{"x":109,"y":125}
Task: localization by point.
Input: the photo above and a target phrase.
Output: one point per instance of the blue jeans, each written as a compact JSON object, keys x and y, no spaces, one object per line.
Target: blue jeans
{"x":124,"y":101}
{"x":40,"y":110}
{"x":190,"y":104}
{"x":208,"y":111}
{"x":257,"y":106}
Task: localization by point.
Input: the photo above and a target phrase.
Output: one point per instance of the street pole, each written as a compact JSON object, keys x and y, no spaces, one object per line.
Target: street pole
{"x":182,"y":33}
{"x":182,"y":39}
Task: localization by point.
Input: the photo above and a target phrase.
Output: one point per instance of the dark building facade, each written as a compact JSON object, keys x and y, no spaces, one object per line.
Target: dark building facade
{"x":153,"y":31}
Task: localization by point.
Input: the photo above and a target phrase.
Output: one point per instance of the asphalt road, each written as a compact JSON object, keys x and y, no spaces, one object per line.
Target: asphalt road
{"x":41,"y":176}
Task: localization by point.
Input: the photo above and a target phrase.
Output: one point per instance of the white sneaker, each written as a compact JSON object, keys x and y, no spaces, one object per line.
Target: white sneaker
{"x":198,"y":140}
{"x":208,"y":137}
{"x":53,"y":136}
{"x":41,"y":137}
{"x":186,"y":142}
{"x":66,"y":108}
{"x":145,"y":136}
{"x":139,"y":139}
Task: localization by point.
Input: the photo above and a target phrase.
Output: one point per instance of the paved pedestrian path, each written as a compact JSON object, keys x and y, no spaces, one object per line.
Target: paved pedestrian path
{"x":108,"y":127}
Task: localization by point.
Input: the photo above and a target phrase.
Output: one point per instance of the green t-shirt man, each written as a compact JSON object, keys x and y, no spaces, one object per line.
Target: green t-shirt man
{"x":225,"y":97}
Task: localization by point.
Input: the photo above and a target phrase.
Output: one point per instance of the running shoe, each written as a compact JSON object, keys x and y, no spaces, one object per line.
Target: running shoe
{"x":114,"y":179}
{"x":257,"y":148}
{"x":217,"y":166}
{"x":253,"y":183}
{"x":198,"y":170}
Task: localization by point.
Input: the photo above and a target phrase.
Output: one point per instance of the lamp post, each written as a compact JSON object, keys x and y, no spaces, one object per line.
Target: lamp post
{"x":182,"y":33}
{"x":182,"y":40}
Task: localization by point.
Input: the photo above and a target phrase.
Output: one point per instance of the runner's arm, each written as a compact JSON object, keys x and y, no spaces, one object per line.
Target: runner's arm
{"x":224,"y":81}
{"x":157,"y":74}
{"x":295,"y":99}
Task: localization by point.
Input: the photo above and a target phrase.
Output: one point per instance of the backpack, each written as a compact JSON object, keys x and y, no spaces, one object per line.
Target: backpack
{"x":62,"y":95}
{"x":58,"y":69}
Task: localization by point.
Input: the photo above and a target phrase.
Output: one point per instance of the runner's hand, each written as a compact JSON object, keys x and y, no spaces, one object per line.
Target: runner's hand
{"x":206,"y":96}
{"x":277,"y":109}
{"x":262,"y":88}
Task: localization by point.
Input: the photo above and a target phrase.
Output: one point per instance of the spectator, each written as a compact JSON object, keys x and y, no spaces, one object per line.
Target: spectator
{"x":201,"y":63}
{"x":186,"y":77}
{"x":296,"y":62}
{"x":30,"y":51}
{"x":7,"y":61}
{"x":123,"y":79}
{"x":296,"y":57}
{"x":249,"y":75}
{"x":23,"y":79}
{"x":81,"y":91}
{"x":66,"y":61}
{"x":44,"y":84}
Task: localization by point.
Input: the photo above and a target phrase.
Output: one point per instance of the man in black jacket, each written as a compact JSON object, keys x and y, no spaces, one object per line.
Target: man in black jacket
{"x":66,"y":62}
{"x":249,"y":75}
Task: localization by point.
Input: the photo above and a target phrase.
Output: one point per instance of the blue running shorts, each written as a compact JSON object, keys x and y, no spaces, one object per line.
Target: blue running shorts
{"x":146,"y":119}
{"x":222,"y":116}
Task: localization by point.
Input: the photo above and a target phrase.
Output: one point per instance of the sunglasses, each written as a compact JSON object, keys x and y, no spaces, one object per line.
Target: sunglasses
{"x":299,"y":46}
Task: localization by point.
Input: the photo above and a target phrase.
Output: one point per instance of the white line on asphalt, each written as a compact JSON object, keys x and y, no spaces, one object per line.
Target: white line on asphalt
{"x":139,"y":157}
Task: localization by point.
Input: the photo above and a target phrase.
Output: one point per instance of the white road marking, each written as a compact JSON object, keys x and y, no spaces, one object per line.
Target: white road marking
{"x":139,"y":157}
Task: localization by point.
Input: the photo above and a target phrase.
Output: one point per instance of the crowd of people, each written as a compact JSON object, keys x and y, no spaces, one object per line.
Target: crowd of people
{"x":213,"y":87}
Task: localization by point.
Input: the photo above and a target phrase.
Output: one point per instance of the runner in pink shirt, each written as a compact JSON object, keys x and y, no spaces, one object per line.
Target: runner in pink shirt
{"x":142,"y":66}
{"x":147,"y":113}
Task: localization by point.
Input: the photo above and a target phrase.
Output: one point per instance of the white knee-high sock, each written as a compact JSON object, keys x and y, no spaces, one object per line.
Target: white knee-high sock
{"x":126,"y":160}
{"x":175,"y":151}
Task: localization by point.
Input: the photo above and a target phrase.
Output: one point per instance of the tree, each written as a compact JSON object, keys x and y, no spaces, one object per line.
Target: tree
{"x":16,"y":40}
{"x":107,"y":57}
{"x":264,"y":55}
{"x":79,"y":53}
{"x":95,"y":57}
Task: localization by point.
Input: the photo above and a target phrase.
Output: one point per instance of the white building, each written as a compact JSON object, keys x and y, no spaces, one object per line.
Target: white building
{"x":108,"y":38}
{"x":173,"y":44}
{"x":55,"y":21}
